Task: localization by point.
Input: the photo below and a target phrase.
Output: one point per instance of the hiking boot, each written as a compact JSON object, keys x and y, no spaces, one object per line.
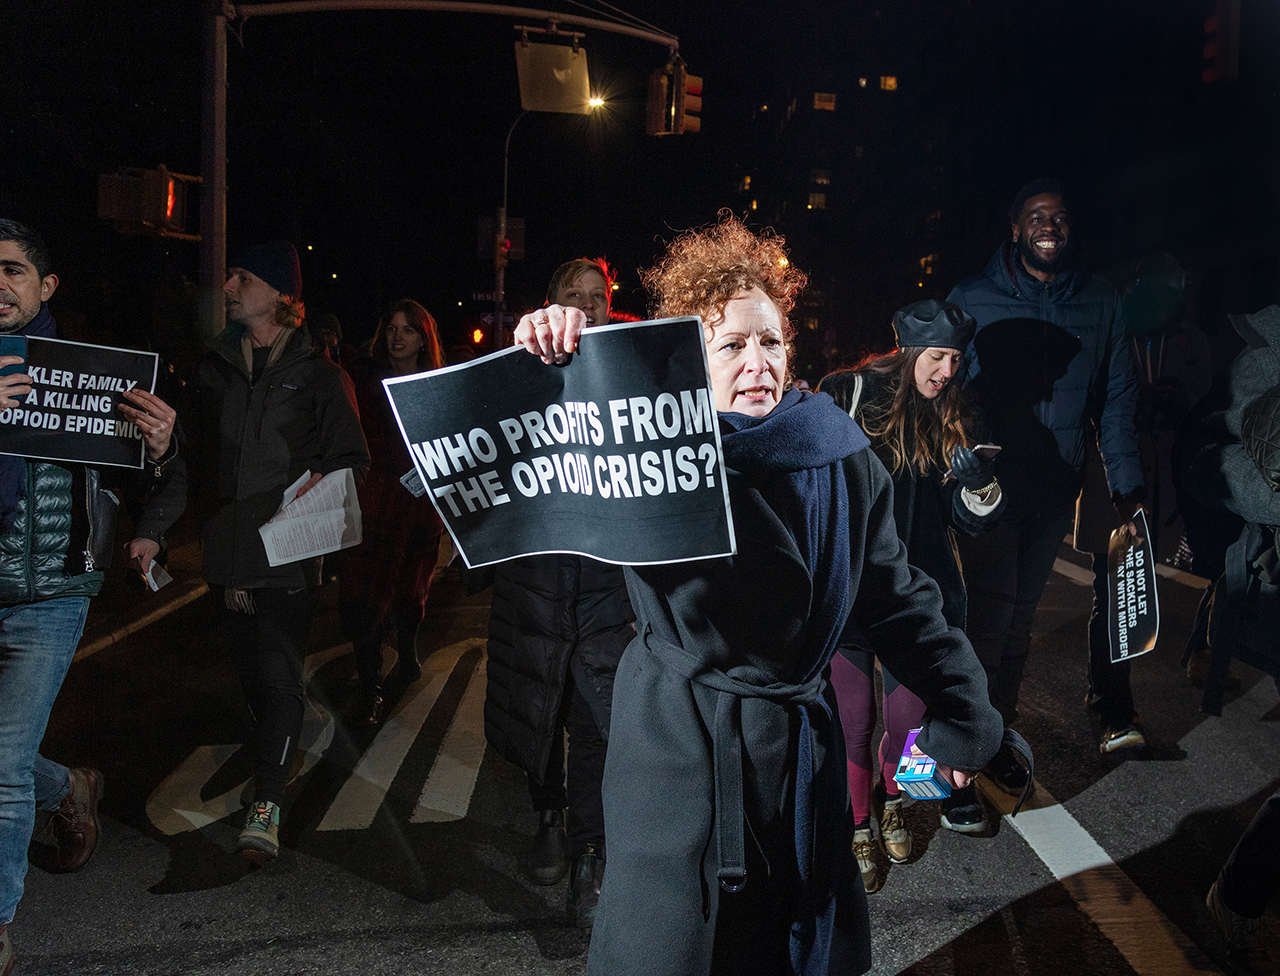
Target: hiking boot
{"x":962,"y":811}
{"x":1198,"y":670}
{"x":894,"y":832}
{"x":74,"y":825}
{"x":1121,"y":737}
{"x":584,"y":888}
{"x":6,"y":952}
{"x":1243,"y":938}
{"x":864,"y":850}
{"x":369,"y":713}
{"x":1006,"y":772}
{"x":260,"y":840}
{"x":548,"y":859}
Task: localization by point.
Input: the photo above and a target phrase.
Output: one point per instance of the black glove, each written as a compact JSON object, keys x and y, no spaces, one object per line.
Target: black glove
{"x":973,"y":472}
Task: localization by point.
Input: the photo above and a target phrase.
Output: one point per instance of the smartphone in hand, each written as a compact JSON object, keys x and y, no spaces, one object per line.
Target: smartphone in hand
{"x":14,"y":346}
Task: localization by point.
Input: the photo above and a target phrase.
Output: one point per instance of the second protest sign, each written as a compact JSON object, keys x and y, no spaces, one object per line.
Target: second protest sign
{"x":616,"y":455}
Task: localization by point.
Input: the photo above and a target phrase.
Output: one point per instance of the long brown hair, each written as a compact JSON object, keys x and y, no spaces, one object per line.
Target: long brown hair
{"x":430,"y":356}
{"x":917,"y":432}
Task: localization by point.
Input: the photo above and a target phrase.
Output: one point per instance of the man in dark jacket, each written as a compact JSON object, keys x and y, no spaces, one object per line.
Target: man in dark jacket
{"x":268,"y":409}
{"x":1050,"y":368}
{"x":57,"y":523}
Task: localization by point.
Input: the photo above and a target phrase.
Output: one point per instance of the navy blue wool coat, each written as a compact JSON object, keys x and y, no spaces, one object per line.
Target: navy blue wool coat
{"x":726,"y":803}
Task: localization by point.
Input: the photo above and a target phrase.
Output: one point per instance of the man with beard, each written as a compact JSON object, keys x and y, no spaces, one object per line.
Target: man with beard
{"x":1050,"y":367}
{"x":57,"y":533}
{"x":268,"y":408}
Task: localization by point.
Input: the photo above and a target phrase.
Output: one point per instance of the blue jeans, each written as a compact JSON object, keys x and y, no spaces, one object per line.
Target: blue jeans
{"x":37,"y":643}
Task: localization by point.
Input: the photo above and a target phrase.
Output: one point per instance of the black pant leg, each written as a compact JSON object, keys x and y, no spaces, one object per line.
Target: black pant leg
{"x":550,"y":793}
{"x":1109,"y":688}
{"x":267,"y":650}
{"x":585,"y":823}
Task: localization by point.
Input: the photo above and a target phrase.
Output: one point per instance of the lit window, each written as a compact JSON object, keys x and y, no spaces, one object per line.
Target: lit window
{"x":745,"y":184}
{"x":889,"y":82}
{"x":824,"y":102}
{"x":926,"y":263}
{"x":811,"y":324}
{"x":753,"y":205}
{"x":862,"y":82}
{"x":936,"y":215}
{"x":817,"y":201}
{"x":820,"y":177}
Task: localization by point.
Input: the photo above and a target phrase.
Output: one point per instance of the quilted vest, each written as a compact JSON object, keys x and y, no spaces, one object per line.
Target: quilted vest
{"x":34,"y":560}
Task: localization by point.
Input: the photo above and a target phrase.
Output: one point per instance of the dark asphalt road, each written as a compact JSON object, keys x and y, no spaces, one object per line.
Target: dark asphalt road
{"x":402,"y":850}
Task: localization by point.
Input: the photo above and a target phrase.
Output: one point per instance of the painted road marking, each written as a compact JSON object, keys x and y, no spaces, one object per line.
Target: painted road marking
{"x":446,"y":795}
{"x":194,"y":592}
{"x":1148,"y":940}
{"x":175,"y":806}
{"x":360,"y":797}
{"x":1077,"y":574}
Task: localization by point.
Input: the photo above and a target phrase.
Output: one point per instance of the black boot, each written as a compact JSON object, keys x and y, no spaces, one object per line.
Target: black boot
{"x":584,"y":887}
{"x":548,"y":859}
{"x":369,"y":711}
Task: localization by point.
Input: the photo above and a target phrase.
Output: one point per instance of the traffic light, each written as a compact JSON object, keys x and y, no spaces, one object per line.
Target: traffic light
{"x":477,"y":336}
{"x":501,"y":251}
{"x":674,"y":103}
{"x":151,"y":200}
{"x":1222,"y":43}
{"x":657,"y":108}
{"x":686,"y":114}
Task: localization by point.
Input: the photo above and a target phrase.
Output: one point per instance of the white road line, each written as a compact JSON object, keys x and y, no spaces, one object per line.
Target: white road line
{"x":1149,"y":942}
{"x":1186,"y":579}
{"x":446,"y":795}
{"x":1077,"y":574}
{"x":360,"y":797}
{"x":120,"y":633}
{"x":175,"y":807}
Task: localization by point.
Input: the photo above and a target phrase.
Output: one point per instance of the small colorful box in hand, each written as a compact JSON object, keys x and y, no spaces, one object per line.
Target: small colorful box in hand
{"x":919,"y":776}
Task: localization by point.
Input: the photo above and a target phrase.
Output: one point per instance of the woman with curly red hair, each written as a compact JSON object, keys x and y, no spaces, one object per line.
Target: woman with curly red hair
{"x":725,"y":800}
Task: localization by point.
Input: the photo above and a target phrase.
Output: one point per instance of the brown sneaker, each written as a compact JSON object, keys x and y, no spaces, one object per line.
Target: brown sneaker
{"x":74,"y":825}
{"x":6,"y":952}
{"x":864,"y":851}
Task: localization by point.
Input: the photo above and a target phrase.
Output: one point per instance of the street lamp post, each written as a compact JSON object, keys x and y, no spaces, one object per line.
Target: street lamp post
{"x":499,"y":247}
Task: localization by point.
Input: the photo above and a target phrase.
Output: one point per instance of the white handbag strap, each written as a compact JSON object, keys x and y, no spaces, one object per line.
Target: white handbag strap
{"x":857,"y":395}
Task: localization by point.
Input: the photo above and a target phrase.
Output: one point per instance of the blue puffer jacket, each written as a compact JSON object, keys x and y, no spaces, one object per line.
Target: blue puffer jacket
{"x":1097,"y":391}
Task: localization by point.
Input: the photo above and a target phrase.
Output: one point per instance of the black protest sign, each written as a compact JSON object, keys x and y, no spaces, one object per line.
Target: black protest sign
{"x":616,"y":455}
{"x":1133,"y":610}
{"x":72,"y":412}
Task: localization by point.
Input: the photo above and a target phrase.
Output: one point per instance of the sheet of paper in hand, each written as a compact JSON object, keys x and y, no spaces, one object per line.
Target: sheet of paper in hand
{"x":72,"y":412}
{"x":327,"y":518}
{"x":615,"y":455}
{"x":1133,"y":610}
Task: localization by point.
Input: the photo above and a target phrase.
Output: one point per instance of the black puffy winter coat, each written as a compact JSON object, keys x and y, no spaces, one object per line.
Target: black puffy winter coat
{"x":551,"y":614}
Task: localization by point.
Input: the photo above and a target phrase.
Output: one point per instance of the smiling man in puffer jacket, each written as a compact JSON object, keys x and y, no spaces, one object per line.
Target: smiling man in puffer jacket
{"x":1049,"y":366}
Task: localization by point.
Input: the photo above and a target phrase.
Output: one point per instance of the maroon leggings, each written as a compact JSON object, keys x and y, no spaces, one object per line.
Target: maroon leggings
{"x":855,"y":687}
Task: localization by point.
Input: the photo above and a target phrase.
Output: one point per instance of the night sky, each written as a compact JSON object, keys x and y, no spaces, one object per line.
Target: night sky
{"x":376,"y":138}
